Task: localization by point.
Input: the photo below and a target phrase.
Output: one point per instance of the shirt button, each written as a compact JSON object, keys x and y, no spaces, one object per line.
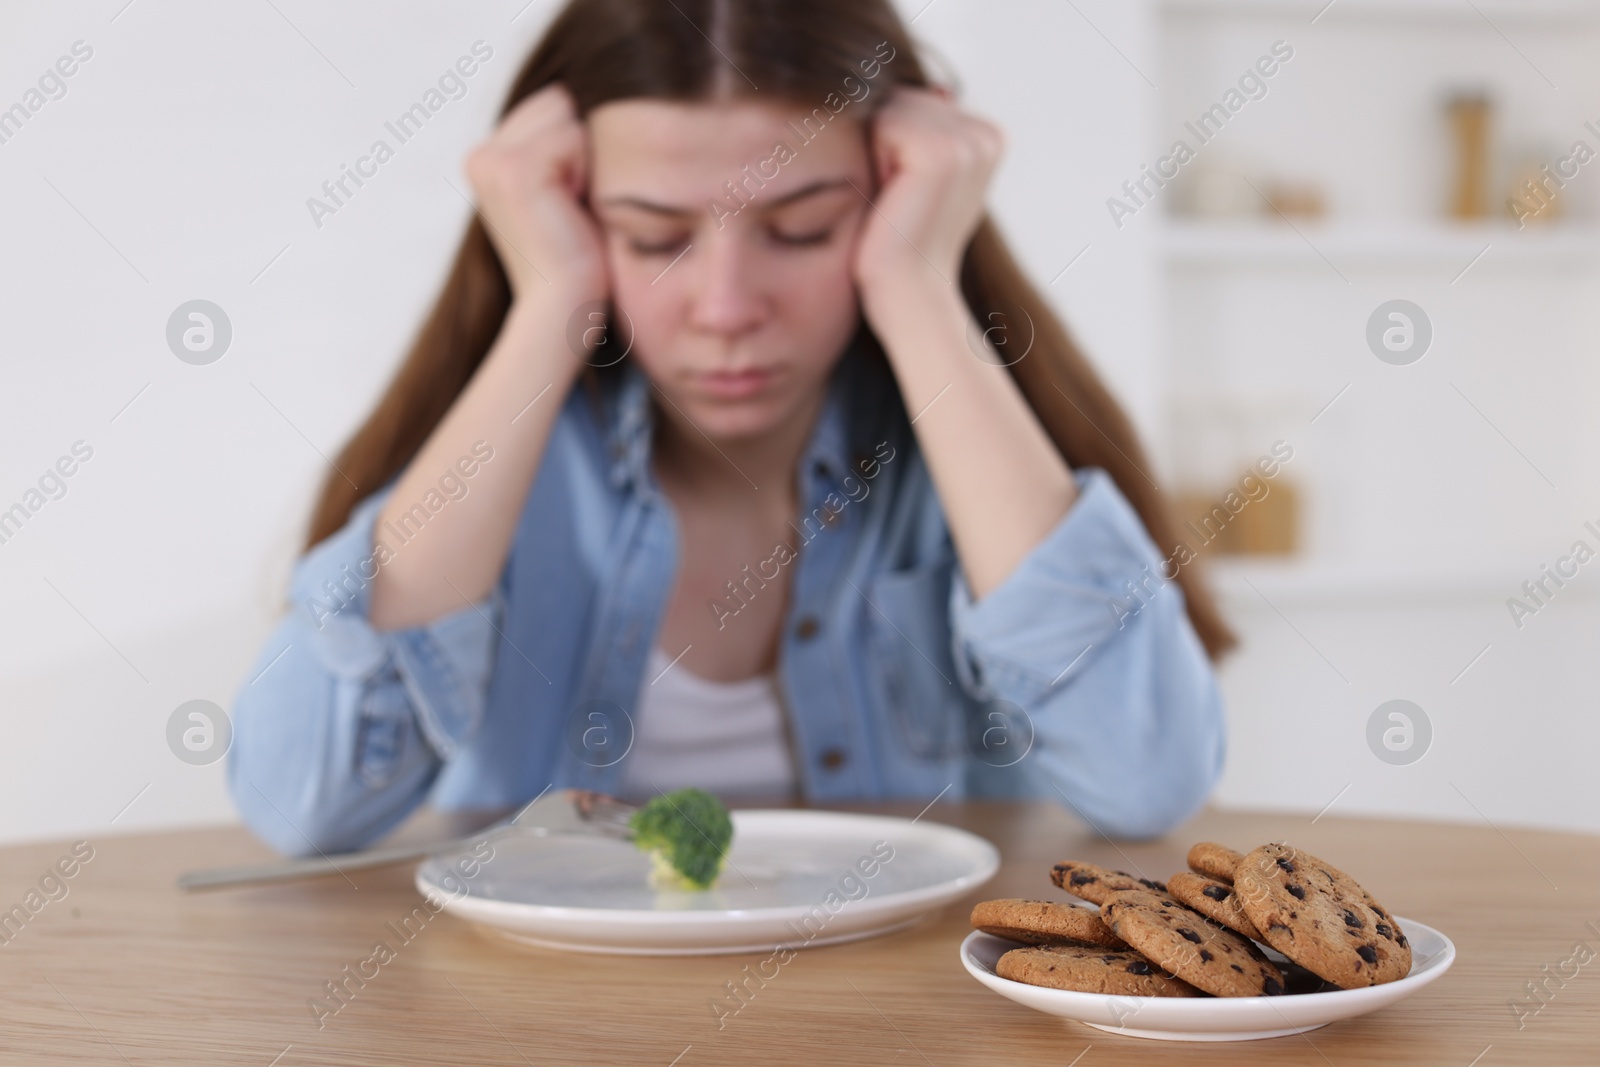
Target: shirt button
{"x":807,"y":628}
{"x":833,"y":758}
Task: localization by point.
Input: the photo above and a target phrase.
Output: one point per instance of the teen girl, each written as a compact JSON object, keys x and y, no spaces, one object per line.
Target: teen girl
{"x":736,"y":452}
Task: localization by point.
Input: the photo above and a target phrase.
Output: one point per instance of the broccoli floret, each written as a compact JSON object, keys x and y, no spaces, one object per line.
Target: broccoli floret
{"x":687,"y":833}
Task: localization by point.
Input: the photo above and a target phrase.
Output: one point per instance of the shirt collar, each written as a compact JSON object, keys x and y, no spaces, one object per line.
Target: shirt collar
{"x":630,"y":428}
{"x":855,"y":393}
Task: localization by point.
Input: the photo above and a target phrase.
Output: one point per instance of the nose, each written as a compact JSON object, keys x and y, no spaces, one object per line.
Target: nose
{"x":727,"y":288}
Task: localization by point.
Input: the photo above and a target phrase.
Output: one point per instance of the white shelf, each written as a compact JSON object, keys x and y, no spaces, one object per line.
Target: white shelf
{"x":1437,"y":246}
{"x":1245,"y":581}
{"x":1499,"y":12}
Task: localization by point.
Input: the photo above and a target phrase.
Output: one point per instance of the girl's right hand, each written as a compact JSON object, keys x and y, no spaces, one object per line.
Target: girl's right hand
{"x":530,"y":176}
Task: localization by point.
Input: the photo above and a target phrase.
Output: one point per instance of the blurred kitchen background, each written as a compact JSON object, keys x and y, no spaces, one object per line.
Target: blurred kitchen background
{"x":1388,"y":158}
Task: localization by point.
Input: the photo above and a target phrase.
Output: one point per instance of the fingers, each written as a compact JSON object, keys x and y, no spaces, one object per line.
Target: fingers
{"x":927,"y":126}
{"x":540,"y":138}
{"x":933,"y":161}
{"x":551,"y":106}
{"x":530,"y":175}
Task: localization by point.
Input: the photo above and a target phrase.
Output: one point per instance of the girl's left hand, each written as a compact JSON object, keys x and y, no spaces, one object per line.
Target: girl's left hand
{"x":933,"y":163}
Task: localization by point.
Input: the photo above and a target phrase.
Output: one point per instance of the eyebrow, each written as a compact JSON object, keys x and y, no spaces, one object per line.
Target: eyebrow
{"x":812,"y":189}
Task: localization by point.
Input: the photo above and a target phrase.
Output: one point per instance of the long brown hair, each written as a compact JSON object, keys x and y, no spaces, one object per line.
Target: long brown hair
{"x":790,"y":50}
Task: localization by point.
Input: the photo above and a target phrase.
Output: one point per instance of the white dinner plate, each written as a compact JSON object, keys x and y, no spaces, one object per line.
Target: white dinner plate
{"x":1213,"y":1018}
{"x":793,"y":878}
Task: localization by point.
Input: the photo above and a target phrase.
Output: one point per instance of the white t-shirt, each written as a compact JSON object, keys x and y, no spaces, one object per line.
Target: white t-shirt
{"x":726,"y":737}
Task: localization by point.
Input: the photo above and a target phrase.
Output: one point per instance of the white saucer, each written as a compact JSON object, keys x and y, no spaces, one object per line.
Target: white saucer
{"x":1213,"y":1018}
{"x":793,"y":879}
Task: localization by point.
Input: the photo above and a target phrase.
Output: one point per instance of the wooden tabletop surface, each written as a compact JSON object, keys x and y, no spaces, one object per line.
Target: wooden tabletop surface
{"x":126,"y":969}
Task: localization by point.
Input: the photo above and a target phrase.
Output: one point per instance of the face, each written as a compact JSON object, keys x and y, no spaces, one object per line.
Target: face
{"x":740,"y":307}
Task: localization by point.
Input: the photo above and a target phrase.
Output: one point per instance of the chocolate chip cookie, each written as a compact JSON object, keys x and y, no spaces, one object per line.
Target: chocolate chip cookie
{"x":1214,"y":900}
{"x":1085,"y":969}
{"x":1187,"y":945}
{"x":1214,"y":860}
{"x":1094,"y":884}
{"x":1044,"y":922}
{"x":1319,"y":917}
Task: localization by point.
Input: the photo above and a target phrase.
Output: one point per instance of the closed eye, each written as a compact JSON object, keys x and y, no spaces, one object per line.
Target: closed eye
{"x":802,"y":239}
{"x":657,"y":248}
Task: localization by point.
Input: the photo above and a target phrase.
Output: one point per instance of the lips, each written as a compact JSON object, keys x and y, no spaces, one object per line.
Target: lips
{"x":735,"y":384}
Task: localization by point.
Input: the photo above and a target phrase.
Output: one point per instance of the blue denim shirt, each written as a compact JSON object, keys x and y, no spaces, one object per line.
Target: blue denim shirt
{"x":1058,"y":684}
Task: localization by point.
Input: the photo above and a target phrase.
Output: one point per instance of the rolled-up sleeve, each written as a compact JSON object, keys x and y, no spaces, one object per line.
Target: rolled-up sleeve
{"x":1093,"y":643}
{"x":341,"y":728}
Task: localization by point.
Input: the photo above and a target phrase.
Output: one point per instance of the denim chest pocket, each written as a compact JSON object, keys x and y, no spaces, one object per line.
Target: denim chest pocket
{"x":908,"y":640}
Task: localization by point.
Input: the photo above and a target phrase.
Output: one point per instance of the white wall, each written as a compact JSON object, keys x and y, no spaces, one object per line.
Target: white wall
{"x":189,"y":143}
{"x":177,"y":167}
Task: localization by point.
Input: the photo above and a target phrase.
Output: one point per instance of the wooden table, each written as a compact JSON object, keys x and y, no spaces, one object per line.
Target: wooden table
{"x":125,"y":969}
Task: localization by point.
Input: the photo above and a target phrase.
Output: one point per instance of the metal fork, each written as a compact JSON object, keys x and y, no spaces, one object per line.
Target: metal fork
{"x":565,"y":811}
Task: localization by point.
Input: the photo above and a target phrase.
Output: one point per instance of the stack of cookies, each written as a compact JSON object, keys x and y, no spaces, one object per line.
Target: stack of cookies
{"x":1197,"y":934}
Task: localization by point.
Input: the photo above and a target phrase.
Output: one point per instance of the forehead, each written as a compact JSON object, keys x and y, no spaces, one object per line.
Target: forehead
{"x":676,"y":152}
